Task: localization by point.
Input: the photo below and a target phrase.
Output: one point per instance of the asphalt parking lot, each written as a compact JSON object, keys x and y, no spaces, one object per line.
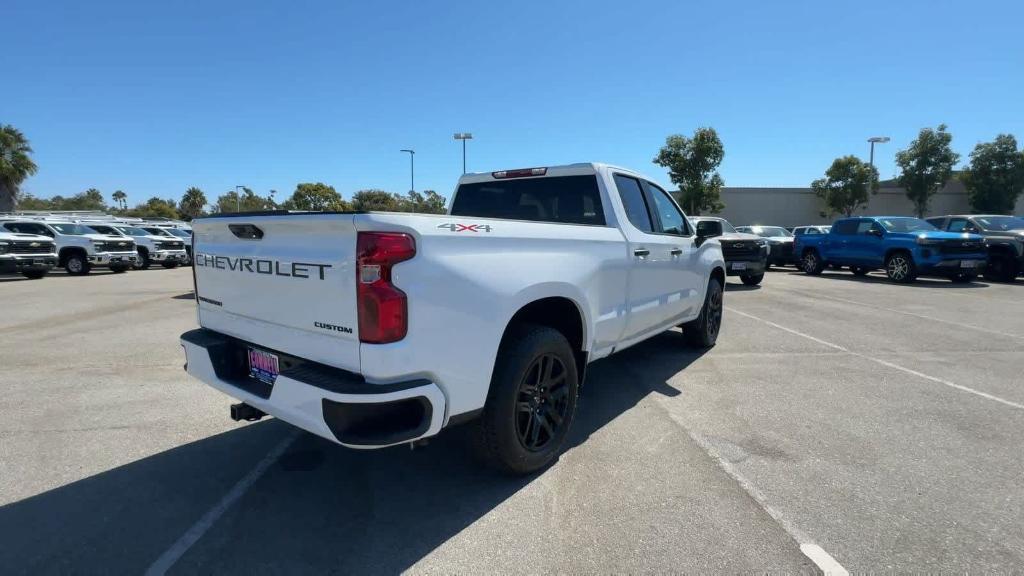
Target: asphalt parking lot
{"x":878,"y":424}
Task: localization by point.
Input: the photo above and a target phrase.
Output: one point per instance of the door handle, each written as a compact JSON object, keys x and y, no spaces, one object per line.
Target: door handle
{"x":677,"y":251}
{"x":641,"y":252}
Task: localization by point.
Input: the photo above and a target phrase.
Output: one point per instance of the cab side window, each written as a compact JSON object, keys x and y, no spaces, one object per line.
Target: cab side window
{"x":845,"y":227}
{"x":633,"y":201}
{"x":957,"y":225}
{"x":667,"y":215}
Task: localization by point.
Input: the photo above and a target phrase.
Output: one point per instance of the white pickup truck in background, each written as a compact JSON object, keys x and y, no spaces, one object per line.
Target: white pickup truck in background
{"x":375,"y":329}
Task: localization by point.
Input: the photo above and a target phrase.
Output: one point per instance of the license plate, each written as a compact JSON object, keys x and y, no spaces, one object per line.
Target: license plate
{"x":969,"y":263}
{"x":739,"y":265}
{"x":263,"y":366}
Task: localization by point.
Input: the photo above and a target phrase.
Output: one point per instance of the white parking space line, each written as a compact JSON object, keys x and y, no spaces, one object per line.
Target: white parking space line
{"x":193,"y":534}
{"x":823,"y":560}
{"x":914,"y":314}
{"x":885,"y":363}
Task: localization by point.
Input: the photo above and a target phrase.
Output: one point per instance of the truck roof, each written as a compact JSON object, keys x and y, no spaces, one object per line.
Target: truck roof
{"x":574,"y":169}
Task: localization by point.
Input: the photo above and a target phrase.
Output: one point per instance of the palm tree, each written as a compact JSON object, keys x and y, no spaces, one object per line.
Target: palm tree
{"x":121,"y":198}
{"x":15,"y":165}
{"x":192,"y":202}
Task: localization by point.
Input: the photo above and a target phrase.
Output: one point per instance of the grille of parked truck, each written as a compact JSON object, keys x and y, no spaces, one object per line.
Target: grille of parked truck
{"x":746,"y":255}
{"x":30,"y":255}
{"x":375,"y":329}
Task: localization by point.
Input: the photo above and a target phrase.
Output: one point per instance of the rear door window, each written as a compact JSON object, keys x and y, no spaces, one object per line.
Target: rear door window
{"x":956,"y":224}
{"x":633,"y":201}
{"x":848,"y":227}
{"x":560,"y":199}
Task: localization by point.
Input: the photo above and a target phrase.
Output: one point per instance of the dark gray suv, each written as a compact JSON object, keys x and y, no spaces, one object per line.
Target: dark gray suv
{"x":1004,"y":237}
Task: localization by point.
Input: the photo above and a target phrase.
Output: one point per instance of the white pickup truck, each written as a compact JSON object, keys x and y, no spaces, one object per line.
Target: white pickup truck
{"x":375,"y":329}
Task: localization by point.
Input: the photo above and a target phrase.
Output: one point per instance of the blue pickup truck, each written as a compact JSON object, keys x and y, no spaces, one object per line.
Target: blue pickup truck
{"x":904,"y":247}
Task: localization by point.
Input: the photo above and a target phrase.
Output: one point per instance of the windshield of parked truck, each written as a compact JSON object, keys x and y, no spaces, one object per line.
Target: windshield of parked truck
{"x":133,"y":231}
{"x":906,"y":225}
{"x":180,"y":232}
{"x":770,"y":231}
{"x":72,"y":229}
{"x":561,"y":199}
{"x":100,"y":229}
{"x":1000,"y":223}
{"x":157,"y":231}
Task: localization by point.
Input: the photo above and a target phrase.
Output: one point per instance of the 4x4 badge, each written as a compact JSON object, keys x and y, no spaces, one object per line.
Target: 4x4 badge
{"x":466,"y":227}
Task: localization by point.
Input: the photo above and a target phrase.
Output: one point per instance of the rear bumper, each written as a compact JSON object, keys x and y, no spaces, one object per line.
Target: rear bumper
{"x":326,"y":401}
{"x":36,"y":262}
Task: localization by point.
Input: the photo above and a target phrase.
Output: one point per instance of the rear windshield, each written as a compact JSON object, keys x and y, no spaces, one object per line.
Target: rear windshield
{"x":563,"y":199}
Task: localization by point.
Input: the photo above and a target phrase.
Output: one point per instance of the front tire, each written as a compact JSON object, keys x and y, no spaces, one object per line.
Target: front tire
{"x":77,"y":265}
{"x":531,"y":403}
{"x":753,"y":279}
{"x":812,"y":263}
{"x":899,"y":267}
{"x":703,"y":332}
{"x":1002,"y":269}
{"x":143,"y":261}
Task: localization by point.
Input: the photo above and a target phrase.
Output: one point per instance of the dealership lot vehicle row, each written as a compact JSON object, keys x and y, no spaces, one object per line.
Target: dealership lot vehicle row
{"x":805,"y":426}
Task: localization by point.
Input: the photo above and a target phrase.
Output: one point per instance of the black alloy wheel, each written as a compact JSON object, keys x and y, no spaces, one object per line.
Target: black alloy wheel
{"x":542,"y":402}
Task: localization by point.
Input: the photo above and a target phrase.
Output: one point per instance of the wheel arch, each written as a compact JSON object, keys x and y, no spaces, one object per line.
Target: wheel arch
{"x":559,"y":313}
{"x":65,"y":252}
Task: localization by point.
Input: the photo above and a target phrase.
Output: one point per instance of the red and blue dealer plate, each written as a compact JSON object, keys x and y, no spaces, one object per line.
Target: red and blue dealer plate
{"x":263,"y":366}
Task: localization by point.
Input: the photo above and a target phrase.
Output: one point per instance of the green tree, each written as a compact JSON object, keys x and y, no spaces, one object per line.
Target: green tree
{"x":248,"y":201}
{"x":428,"y":202}
{"x":692,"y":165}
{"x":156,"y":207}
{"x":192,"y":203}
{"x":15,"y":165}
{"x":995,"y":178}
{"x":845,"y":186}
{"x":120,"y":198}
{"x":926,"y":165}
{"x":315,"y":197}
{"x":377,"y":200}
{"x":30,"y":202}
{"x":91,"y":199}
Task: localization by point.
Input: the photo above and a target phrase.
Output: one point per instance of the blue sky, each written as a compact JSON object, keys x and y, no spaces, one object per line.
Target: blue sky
{"x":153,"y":97}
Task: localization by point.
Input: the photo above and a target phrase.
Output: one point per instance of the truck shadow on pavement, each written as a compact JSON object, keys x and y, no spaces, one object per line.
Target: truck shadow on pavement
{"x":318,"y":508}
{"x":876,"y":278}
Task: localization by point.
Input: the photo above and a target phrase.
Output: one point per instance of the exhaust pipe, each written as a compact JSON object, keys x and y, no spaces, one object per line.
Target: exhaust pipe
{"x":245,"y":412}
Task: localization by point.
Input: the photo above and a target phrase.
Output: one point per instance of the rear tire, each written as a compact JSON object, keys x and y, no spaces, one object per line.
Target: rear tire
{"x":34,"y":274}
{"x":900,"y":267}
{"x":77,"y":264}
{"x":753,"y":279}
{"x":703,"y":332}
{"x":531,"y":403}
{"x":812,"y":263}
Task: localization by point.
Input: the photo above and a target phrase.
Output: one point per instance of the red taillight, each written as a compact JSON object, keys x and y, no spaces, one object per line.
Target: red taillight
{"x":383,"y":309}
{"x":521,"y":173}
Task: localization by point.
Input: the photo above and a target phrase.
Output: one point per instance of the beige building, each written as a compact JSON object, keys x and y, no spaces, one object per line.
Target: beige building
{"x":799,"y":206}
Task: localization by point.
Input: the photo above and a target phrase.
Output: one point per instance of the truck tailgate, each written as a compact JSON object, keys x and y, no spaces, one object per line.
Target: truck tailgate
{"x":284,"y":282}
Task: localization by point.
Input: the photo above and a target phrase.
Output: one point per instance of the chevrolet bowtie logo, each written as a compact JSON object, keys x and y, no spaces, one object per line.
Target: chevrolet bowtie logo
{"x":34,"y":244}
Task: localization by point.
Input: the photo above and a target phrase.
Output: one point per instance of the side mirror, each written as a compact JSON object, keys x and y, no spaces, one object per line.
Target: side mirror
{"x":707,"y":229}
{"x":875,"y":232}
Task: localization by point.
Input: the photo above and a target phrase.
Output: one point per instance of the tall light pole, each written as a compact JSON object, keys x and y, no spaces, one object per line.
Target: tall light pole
{"x":463,"y":136}
{"x":238,"y":198}
{"x":412,"y":169}
{"x":875,"y":140}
